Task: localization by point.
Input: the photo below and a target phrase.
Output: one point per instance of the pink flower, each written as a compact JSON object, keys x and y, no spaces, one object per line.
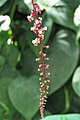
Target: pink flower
{"x":37,"y":8}
{"x":38,"y":22}
{"x":41,"y":36}
{"x":41,"y":30}
{"x":30,"y":18}
{"x":33,"y":13}
{"x":36,"y":41}
{"x":34,"y":29}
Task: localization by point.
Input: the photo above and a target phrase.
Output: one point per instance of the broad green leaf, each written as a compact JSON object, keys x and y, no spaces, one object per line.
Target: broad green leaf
{"x":62,"y":15}
{"x":63,"y":117}
{"x":28,"y":63}
{"x":5,"y":104}
{"x":63,"y":55}
{"x":47,"y":21}
{"x":5,"y":8}
{"x":55,"y":101}
{"x":6,"y":71}
{"x":48,"y":3}
{"x":24,"y":95}
{"x":69,"y":3}
{"x":4,"y":83}
{"x":76,"y":81}
{"x":11,"y":54}
{"x":2,"y":60}
{"x":74,"y":101}
{"x":2,"y":2}
{"x":22,"y":7}
{"x":4,"y":36}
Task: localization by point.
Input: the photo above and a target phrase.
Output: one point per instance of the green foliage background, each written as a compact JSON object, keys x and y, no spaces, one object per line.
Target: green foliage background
{"x":19,"y":94}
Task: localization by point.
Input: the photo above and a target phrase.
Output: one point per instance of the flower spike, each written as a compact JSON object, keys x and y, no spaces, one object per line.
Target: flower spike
{"x":43,"y":67}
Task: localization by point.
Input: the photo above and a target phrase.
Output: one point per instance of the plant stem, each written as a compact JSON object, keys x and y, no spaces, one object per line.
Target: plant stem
{"x":5,"y":107}
{"x":67,"y":101}
{"x":77,"y":36}
{"x":32,"y":1}
{"x":14,"y":3}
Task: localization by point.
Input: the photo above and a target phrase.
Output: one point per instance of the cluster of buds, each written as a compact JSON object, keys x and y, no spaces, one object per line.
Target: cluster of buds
{"x":43,"y":67}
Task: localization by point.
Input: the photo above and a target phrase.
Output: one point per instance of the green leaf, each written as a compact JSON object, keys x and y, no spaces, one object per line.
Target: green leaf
{"x":63,"y":55}
{"x":22,"y":7}
{"x":63,"y":117}
{"x":5,"y":104}
{"x":55,"y":101}
{"x":2,"y":60}
{"x":48,"y":3}
{"x":11,"y":53}
{"x":4,"y":83}
{"x":47,"y":21}
{"x":62,"y":15}
{"x":24,"y":95}
{"x":76,"y":81}
{"x":4,"y":36}
{"x":74,"y":101}
{"x":5,"y":8}
{"x":72,"y":6}
{"x":2,"y":2}
{"x":28,"y":63}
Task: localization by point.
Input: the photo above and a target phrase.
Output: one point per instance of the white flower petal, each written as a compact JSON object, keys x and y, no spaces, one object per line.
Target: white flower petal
{"x":77,"y":16}
{"x":5,"y":25}
{"x":32,"y":28}
{"x":45,"y":28}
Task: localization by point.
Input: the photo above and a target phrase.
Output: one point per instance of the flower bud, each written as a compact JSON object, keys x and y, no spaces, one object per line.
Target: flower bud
{"x":45,"y":81}
{"x":48,"y":81}
{"x":46,"y":59}
{"x":47,"y":46}
{"x":41,"y":74}
{"x":38,"y":59}
{"x":47,"y":87}
{"x":40,"y":79}
{"x":44,"y":55}
{"x":39,"y":70}
{"x":45,"y":96}
{"x":47,"y":66}
{"x":45,"y":28}
{"x":40,"y":65}
{"x":49,"y":74}
{"x":40,"y":52}
{"x":32,"y":28}
{"x":40,"y":90}
{"x":30,"y":18}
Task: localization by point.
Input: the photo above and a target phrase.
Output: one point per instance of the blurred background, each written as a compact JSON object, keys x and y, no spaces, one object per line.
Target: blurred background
{"x":19,"y":85}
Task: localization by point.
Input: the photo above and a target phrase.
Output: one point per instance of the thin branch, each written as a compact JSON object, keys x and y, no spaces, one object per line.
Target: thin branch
{"x":33,"y":2}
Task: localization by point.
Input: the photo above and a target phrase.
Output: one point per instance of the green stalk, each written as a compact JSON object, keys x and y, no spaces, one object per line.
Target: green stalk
{"x":67,"y":101}
{"x":4,"y":107}
{"x":13,"y":7}
{"x":77,"y":36}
